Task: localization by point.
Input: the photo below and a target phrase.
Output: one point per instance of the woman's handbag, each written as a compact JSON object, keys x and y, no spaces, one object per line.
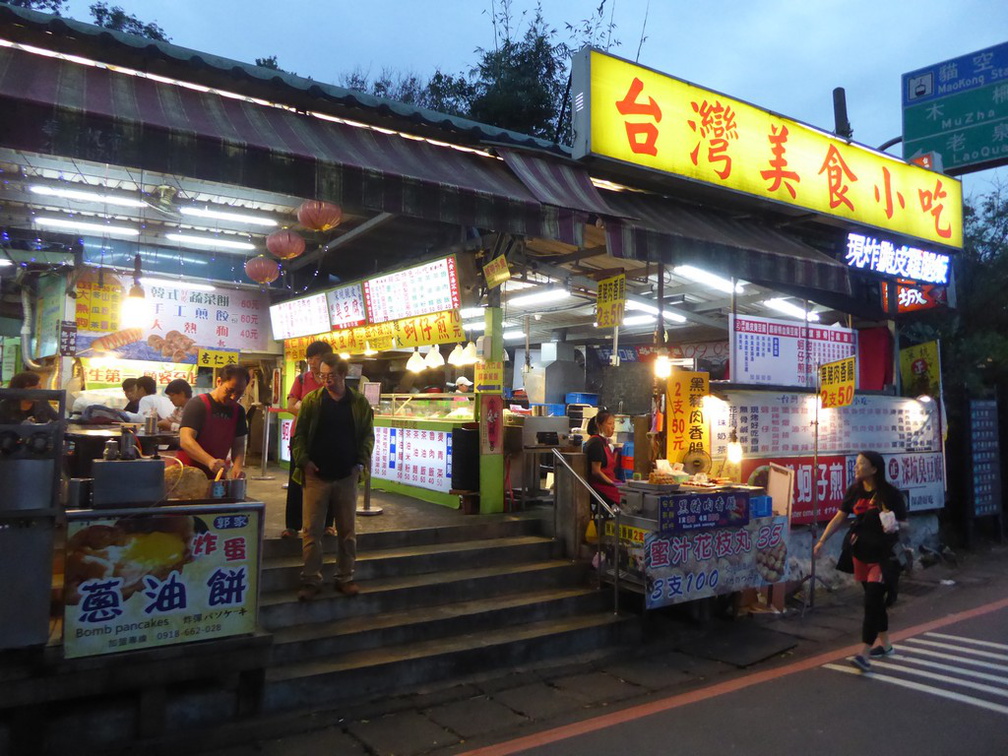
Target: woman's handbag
{"x":845,"y":562}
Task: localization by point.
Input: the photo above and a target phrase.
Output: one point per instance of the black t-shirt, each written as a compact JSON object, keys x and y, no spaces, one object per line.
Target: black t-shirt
{"x":334,"y":448}
{"x":595,"y":450}
{"x":194,"y":414}
{"x":40,"y":412}
{"x":873,"y":544}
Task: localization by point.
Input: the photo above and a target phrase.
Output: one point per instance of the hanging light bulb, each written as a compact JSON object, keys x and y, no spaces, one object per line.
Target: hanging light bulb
{"x":457,"y":356}
{"x":734,"y":451}
{"x":344,"y":355}
{"x":136,"y":310}
{"x":416,"y":364}
{"x":470,"y":355}
{"x":368,"y":351}
{"x":434,"y":360}
{"x":662,"y":366}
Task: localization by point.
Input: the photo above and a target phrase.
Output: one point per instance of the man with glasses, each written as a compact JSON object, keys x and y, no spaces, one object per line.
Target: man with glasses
{"x":330,"y":450}
{"x":214,"y":426}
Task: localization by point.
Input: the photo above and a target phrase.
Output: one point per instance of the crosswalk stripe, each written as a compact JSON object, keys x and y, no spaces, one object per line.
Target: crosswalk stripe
{"x":940,"y":692}
{"x":960,"y":649}
{"x":963,"y":639}
{"x":943,"y":678}
{"x":905,"y":649}
{"x":950,"y":668}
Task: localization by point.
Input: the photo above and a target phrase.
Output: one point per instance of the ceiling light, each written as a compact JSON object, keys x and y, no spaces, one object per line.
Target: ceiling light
{"x":94,"y":228}
{"x":707,"y":279}
{"x":475,"y":325}
{"x":513,"y":335}
{"x":207,"y":212}
{"x":469,"y":355}
{"x":415,"y":363}
{"x":135,"y":310}
{"x":177,"y":283}
{"x":672,"y":317}
{"x":789,"y":308}
{"x":471,"y":312}
{"x":368,"y":351}
{"x":4,"y":262}
{"x":82,"y":195}
{"x":636,"y":320}
{"x":209,"y":241}
{"x":543,"y":296}
{"x":434,"y":360}
{"x":662,"y":366}
{"x":457,"y":356}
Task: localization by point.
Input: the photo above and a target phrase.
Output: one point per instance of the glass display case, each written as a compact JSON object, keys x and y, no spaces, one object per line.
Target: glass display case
{"x":452,"y":407}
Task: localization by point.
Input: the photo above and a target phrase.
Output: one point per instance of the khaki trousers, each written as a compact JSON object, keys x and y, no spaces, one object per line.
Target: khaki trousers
{"x":339,"y":496}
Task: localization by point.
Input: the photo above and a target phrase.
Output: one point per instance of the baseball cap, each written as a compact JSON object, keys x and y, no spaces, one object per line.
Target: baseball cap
{"x":463,"y":381}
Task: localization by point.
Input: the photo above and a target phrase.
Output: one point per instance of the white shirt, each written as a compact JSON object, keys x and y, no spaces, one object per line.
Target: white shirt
{"x":161,"y":404}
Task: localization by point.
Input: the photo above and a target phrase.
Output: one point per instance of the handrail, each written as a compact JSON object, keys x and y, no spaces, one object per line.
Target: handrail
{"x":612,"y":511}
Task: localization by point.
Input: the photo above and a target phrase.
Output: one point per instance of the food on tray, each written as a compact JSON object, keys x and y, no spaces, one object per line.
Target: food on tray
{"x":129,"y":551}
{"x":771,"y":562}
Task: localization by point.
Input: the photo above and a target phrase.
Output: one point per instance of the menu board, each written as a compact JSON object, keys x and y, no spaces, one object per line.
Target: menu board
{"x":421,"y":458}
{"x":432,"y":287}
{"x":985,"y":477}
{"x":700,"y":511}
{"x":785,"y":353}
{"x":346,"y":307}
{"x":771,"y":423}
{"x":300,"y":317}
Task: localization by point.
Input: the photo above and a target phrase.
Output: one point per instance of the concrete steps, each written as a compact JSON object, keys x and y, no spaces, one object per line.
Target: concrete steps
{"x":434,"y":603}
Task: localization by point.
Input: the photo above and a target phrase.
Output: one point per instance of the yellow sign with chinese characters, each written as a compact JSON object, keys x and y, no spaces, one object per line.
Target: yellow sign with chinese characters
{"x":496,"y":271}
{"x":610,"y":301}
{"x":687,"y":429}
{"x":420,"y":330}
{"x":836,"y":383}
{"x":216,"y":358}
{"x":489,"y":377}
{"x":655,"y":121}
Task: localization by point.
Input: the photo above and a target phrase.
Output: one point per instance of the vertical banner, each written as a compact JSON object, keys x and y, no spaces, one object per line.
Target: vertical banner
{"x":491,"y":424}
{"x":686,"y":425}
{"x":836,"y":383}
{"x":611,"y":301}
{"x":920,"y":370}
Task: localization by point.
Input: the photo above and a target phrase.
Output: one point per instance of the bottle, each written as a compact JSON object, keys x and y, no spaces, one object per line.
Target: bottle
{"x":111,"y":451}
{"x":150,"y":422}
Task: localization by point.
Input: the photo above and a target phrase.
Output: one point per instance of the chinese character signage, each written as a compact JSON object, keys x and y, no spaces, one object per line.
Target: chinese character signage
{"x":686,"y":422}
{"x":639,"y":116}
{"x":346,"y":307}
{"x":959,"y":109}
{"x":985,"y":456}
{"x":913,"y":297}
{"x":836,"y":383}
{"x":888,"y":258}
{"x":415,"y":457}
{"x":702,"y":511}
{"x":102,"y":372}
{"x":611,"y":301}
{"x":68,"y":338}
{"x":152,"y":580}
{"x":491,"y":424}
{"x":97,"y":306}
{"x":184,"y":321}
{"x":432,"y":287}
{"x":920,"y":370}
{"x":785,"y":352}
{"x":283,"y":445}
{"x":692,"y":565}
{"x":421,"y":330}
{"x":216,"y":358}
{"x":435,"y":328}
{"x":489,"y":377}
{"x":496,"y":272}
{"x":300,"y":317}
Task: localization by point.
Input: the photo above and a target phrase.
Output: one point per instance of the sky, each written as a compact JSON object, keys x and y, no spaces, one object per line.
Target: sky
{"x":782,"y":55}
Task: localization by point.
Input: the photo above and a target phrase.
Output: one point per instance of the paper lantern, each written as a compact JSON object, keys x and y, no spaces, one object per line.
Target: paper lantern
{"x":285,"y":244}
{"x":318,"y":215}
{"x":262,"y":269}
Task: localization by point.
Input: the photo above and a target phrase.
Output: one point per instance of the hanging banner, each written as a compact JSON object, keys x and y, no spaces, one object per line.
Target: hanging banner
{"x":611,"y":301}
{"x":920,"y":370}
{"x":99,"y":301}
{"x":159,"y":579}
{"x":422,"y":330}
{"x":496,"y":272}
{"x":686,"y":424}
{"x":103,"y":372}
{"x":836,"y":383}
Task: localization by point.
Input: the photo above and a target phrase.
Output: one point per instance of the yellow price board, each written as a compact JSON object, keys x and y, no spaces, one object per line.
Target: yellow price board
{"x":836,"y":383}
{"x":496,"y":271}
{"x":611,"y":301}
{"x":649,"y":119}
{"x":421,"y":330}
{"x":216,"y":358}
{"x":687,"y":429}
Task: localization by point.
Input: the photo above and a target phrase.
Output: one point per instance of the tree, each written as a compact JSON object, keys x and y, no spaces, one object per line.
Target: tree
{"x":116,"y":19}
{"x":52,"y":6}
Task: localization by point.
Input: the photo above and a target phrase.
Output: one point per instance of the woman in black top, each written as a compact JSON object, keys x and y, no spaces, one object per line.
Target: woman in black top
{"x":871,"y":547}
{"x":17,"y":411}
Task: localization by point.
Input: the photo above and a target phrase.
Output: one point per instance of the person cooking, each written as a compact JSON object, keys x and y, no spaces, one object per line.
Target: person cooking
{"x":214,"y":426}
{"x":463,"y":385}
{"x":602,"y":459}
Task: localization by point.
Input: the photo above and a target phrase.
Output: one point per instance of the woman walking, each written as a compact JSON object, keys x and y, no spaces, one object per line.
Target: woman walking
{"x":872,"y":500}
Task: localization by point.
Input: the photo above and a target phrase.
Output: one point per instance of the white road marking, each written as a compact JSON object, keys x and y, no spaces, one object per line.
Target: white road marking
{"x":941,"y":693}
{"x":943,"y":678}
{"x":904,"y":649}
{"x":949,"y":668}
{"x":950,"y":646}
{"x":962,"y":639}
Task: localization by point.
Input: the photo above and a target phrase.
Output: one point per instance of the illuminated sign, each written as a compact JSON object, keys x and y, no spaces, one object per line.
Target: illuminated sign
{"x":631,"y":114}
{"x":886,"y":258}
{"x":687,"y":428}
{"x":432,"y":287}
{"x":422,"y":330}
{"x":913,"y":297}
{"x":836,"y":382}
{"x":346,"y":306}
{"x":300,"y":317}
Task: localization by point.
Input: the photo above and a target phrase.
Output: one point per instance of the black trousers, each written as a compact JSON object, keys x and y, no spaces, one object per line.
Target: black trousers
{"x":876,"y":619}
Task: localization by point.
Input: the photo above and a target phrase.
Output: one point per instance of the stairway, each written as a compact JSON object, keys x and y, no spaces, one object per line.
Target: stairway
{"x":435,"y":603}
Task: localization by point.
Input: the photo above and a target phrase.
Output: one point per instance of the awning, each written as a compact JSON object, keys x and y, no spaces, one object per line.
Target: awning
{"x":555,"y":182}
{"x":654,"y":228}
{"x":64,"y":108}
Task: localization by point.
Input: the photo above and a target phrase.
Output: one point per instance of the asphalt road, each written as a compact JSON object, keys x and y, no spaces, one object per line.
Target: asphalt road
{"x":945,"y":691}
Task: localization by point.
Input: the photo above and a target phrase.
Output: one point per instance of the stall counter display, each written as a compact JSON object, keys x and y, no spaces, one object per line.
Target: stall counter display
{"x":413,"y":452}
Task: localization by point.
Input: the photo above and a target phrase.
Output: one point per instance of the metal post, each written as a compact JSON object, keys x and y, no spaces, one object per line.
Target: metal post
{"x":265,"y":444}
{"x":616,"y":550}
{"x":367,"y":510}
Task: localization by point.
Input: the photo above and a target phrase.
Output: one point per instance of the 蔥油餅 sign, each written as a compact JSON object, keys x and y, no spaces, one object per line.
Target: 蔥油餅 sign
{"x":631,"y":114}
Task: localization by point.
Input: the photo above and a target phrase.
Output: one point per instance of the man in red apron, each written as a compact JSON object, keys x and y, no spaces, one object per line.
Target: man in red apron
{"x":214,"y":426}
{"x":602,"y":460}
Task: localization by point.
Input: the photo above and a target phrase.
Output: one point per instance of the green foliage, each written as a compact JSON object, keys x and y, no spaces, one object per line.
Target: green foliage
{"x":116,"y":19}
{"x":50,"y":6}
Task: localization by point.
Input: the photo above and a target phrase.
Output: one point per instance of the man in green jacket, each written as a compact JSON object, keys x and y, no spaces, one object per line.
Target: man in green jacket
{"x":330,"y":450}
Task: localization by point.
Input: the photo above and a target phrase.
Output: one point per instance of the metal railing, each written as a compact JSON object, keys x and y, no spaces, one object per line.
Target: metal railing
{"x":604,"y":511}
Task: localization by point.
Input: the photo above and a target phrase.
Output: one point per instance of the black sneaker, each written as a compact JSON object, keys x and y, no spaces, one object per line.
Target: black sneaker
{"x":882,"y":651}
{"x":861,"y":663}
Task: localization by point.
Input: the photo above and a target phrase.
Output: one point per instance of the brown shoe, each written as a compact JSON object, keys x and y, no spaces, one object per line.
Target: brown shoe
{"x":350,"y":588}
{"x":308,"y":592}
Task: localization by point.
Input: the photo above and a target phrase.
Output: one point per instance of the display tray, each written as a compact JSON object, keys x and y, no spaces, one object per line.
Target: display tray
{"x":653,"y":488}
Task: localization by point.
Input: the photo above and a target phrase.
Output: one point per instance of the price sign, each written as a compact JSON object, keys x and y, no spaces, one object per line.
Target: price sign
{"x":836,"y":383}
{"x":421,"y":290}
{"x":611,"y":301}
{"x":346,"y":307}
{"x":300,"y":317}
{"x":496,"y":272}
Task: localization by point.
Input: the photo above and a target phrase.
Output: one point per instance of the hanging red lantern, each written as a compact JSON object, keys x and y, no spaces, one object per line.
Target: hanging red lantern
{"x":262,"y":269}
{"x":319,"y":215}
{"x":285,"y":244}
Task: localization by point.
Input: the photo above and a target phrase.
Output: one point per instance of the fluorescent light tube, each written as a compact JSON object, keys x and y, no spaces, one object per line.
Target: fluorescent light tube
{"x":789,"y":308}
{"x":542,"y":296}
{"x":177,"y":283}
{"x":207,"y":212}
{"x":208,"y":241}
{"x":84,"y":195}
{"x":707,"y":279}
{"x":94,"y":228}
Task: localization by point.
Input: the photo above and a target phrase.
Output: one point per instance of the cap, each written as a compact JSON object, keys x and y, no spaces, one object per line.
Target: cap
{"x":463,"y":381}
